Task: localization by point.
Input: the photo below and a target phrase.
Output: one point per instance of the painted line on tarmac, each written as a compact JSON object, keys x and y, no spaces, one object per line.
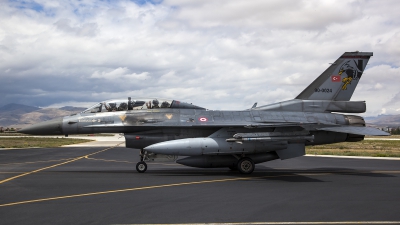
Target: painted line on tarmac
{"x":149,"y":187}
{"x":272,"y":223}
{"x":54,"y":160}
{"x":118,"y":161}
{"x":59,"y":164}
{"x":183,"y":184}
{"x":107,"y":160}
{"x":353,"y":157}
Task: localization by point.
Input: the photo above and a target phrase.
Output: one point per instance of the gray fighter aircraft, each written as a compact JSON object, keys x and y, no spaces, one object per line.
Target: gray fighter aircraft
{"x":164,"y":129}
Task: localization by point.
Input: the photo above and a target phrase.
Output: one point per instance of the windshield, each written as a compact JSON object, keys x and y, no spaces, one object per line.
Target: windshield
{"x":129,"y":104}
{"x":93,"y":109}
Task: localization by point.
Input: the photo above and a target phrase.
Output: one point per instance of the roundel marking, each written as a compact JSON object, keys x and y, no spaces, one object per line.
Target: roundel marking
{"x":203,"y":119}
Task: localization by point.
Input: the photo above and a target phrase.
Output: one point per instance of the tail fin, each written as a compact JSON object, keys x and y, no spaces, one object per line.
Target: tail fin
{"x":339,"y":81}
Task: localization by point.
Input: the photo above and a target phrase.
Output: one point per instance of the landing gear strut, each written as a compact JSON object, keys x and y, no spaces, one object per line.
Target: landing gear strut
{"x":141,"y":166}
{"x":245,"y":165}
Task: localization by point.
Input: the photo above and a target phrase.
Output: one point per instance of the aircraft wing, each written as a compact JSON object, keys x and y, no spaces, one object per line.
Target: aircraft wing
{"x":356,"y":130}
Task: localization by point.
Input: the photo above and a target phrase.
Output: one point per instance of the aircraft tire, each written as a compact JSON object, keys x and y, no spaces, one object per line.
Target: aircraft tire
{"x":245,"y":165}
{"x":141,"y":167}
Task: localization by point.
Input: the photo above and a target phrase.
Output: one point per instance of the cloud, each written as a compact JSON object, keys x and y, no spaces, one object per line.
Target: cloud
{"x":216,"y":54}
{"x":290,"y":14}
{"x":86,"y":29}
{"x":119,"y":73}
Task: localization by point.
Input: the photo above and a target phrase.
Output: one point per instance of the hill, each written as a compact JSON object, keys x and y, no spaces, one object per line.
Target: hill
{"x":72,"y":109}
{"x":17,"y":108}
{"x":384,"y":120}
{"x":11,"y":113}
{"x":19,"y":116}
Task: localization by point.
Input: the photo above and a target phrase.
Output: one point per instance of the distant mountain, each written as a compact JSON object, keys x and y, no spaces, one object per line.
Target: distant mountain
{"x":18,"y":108}
{"x":19,"y":116}
{"x":11,"y":113}
{"x":43,"y":115}
{"x":384,"y":120}
{"x":72,"y":108}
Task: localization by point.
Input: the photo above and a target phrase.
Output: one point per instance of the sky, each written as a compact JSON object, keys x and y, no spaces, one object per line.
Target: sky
{"x":224,"y":54}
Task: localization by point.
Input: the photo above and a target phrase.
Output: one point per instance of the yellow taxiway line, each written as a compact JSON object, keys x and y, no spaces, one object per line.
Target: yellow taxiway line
{"x":107,"y":160}
{"x":118,"y":161}
{"x":59,"y":164}
{"x":53,"y":160}
{"x":149,"y":187}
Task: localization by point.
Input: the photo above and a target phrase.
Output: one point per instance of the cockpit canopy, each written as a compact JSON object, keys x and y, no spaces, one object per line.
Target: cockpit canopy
{"x":137,"y":104}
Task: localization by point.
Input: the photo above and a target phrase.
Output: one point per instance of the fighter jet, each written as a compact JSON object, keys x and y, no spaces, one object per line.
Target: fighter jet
{"x":163,"y":129}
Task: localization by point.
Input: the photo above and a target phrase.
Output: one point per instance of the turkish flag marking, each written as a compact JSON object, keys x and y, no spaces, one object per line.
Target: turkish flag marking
{"x":336,"y":78}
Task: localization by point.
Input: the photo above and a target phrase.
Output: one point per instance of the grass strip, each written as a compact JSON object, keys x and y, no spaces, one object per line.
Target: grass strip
{"x":14,"y":134}
{"x":394,"y":136}
{"x":74,"y":135}
{"x":374,"y":148}
{"x":30,"y":142}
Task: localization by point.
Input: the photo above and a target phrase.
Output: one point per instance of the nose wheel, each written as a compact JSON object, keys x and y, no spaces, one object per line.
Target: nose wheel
{"x":245,"y":165}
{"x":141,"y":166}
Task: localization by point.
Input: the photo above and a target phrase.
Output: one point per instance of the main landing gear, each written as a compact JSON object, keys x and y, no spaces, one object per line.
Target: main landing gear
{"x":245,"y":165}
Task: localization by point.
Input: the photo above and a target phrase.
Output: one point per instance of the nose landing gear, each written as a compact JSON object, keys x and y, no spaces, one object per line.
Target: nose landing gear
{"x":146,"y":156}
{"x":141,"y":166}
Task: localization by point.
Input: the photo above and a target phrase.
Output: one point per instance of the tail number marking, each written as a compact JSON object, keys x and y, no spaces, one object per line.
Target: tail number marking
{"x":323,"y":90}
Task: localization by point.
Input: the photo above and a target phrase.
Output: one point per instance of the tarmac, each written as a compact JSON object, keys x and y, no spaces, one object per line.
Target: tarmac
{"x":99,"y":185}
{"x":95,"y":141}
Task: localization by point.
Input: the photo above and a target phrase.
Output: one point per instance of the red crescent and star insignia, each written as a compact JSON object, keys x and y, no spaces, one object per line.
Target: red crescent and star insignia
{"x":335,"y":78}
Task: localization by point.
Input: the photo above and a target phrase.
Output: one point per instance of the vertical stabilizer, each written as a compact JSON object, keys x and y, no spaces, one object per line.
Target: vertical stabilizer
{"x":339,"y":81}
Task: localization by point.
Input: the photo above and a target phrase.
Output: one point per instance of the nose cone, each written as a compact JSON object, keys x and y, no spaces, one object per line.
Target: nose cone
{"x":51,"y":127}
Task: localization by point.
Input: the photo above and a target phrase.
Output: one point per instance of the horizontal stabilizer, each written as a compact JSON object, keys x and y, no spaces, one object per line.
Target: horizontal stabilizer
{"x":356,"y":130}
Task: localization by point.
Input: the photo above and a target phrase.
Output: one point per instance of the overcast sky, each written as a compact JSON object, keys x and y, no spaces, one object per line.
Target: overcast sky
{"x":216,"y":54}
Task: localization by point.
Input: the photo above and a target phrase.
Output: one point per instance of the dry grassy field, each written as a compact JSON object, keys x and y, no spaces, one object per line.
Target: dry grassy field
{"x":30,"y":142}
{"x":377,"y":148}
{"x":384,"y":137}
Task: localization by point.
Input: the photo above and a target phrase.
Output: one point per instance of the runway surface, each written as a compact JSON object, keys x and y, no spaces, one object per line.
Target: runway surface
{"x":99,"y":185}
